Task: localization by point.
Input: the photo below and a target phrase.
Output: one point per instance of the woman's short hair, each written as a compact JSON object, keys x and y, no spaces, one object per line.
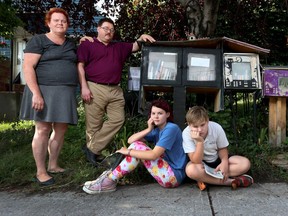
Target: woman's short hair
{"x":55,"y":10}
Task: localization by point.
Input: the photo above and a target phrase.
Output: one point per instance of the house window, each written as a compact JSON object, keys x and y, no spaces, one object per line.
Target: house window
{"x":5,"y":50}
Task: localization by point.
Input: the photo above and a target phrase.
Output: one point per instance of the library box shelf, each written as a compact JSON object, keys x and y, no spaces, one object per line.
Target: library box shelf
{"x":161,"y":66}
{"x":201,"y":67}
{"x":181,"y":66}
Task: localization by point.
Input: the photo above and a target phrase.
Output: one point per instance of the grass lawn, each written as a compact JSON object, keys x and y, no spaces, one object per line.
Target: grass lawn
{"x":17,"y":166}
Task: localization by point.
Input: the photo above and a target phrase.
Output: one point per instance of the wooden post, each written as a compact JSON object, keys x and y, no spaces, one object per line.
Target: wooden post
{"x":218,"y":105}
{"x":277,"y":121}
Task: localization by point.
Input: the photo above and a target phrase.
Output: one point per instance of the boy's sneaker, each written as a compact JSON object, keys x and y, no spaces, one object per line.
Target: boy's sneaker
{"x":101,"y":184}
{"x":242,"y":181}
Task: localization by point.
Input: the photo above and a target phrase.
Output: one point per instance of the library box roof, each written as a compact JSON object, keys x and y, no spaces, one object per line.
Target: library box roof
{"x":228,"y":44}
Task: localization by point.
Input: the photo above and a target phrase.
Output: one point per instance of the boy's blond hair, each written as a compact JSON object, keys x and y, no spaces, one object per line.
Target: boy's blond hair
{"x":197,"y":115}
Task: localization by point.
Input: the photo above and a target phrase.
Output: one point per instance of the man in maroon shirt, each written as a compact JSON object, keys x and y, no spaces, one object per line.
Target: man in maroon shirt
{"x":100,"y":65}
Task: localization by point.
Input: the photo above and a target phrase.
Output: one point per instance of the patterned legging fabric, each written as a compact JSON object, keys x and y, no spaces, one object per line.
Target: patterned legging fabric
{"x":159,"y":168}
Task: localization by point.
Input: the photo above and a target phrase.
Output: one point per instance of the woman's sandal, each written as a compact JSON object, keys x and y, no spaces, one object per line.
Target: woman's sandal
{"x":48,"y":182}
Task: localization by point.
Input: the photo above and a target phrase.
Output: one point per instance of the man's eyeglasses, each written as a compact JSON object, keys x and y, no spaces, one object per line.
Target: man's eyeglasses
{"x":106,"y":29}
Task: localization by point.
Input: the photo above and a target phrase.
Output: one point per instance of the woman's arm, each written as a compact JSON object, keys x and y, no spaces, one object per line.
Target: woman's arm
{"x":140,"y":135}
{"x":29,"y":64}
{"x":153,"y":154}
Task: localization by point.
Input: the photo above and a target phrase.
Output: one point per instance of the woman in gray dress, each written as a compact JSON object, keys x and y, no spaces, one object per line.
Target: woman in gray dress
{"x":50,"y":94}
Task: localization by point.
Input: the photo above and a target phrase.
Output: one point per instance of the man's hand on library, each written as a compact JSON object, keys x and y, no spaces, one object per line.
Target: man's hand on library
{"x":146,"y":37}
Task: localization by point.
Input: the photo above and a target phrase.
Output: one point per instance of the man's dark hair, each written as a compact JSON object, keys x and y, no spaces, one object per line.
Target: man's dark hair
{"x":101,"y":21}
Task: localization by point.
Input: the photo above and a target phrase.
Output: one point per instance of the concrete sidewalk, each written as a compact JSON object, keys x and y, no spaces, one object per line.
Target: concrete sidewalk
{"x":259,"y":199}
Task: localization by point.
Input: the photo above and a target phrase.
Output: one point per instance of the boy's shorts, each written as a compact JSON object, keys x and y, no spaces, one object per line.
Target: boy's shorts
{"x":215,"y":163}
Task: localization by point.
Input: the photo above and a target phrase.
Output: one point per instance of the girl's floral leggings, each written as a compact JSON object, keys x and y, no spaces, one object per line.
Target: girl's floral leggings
{"x":159,"y":168}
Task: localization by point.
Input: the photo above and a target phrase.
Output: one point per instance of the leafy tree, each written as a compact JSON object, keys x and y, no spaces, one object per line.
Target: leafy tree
{"x":8,"y":20}
{"x":81,"y":12}
{"x":259,"y":22}
{"x":197,"y":17}
{"x":164,"y":20}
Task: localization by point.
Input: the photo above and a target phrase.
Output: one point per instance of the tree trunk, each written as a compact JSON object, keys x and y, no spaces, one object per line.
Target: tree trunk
{"x":201,"y":18}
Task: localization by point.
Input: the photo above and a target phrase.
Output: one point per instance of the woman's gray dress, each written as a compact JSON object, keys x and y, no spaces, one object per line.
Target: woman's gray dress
{"x":57,"y":78}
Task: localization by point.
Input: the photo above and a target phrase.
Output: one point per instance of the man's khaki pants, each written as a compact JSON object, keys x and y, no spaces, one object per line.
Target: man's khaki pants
{"x":105,"y":115}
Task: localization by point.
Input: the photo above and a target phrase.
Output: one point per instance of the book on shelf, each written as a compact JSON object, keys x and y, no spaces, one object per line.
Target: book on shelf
{"x":158,"y":71}
{"x":211,"y":171}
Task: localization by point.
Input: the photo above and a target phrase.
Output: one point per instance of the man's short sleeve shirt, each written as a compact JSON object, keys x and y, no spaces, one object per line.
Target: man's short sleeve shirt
{"x":104,"y":63}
